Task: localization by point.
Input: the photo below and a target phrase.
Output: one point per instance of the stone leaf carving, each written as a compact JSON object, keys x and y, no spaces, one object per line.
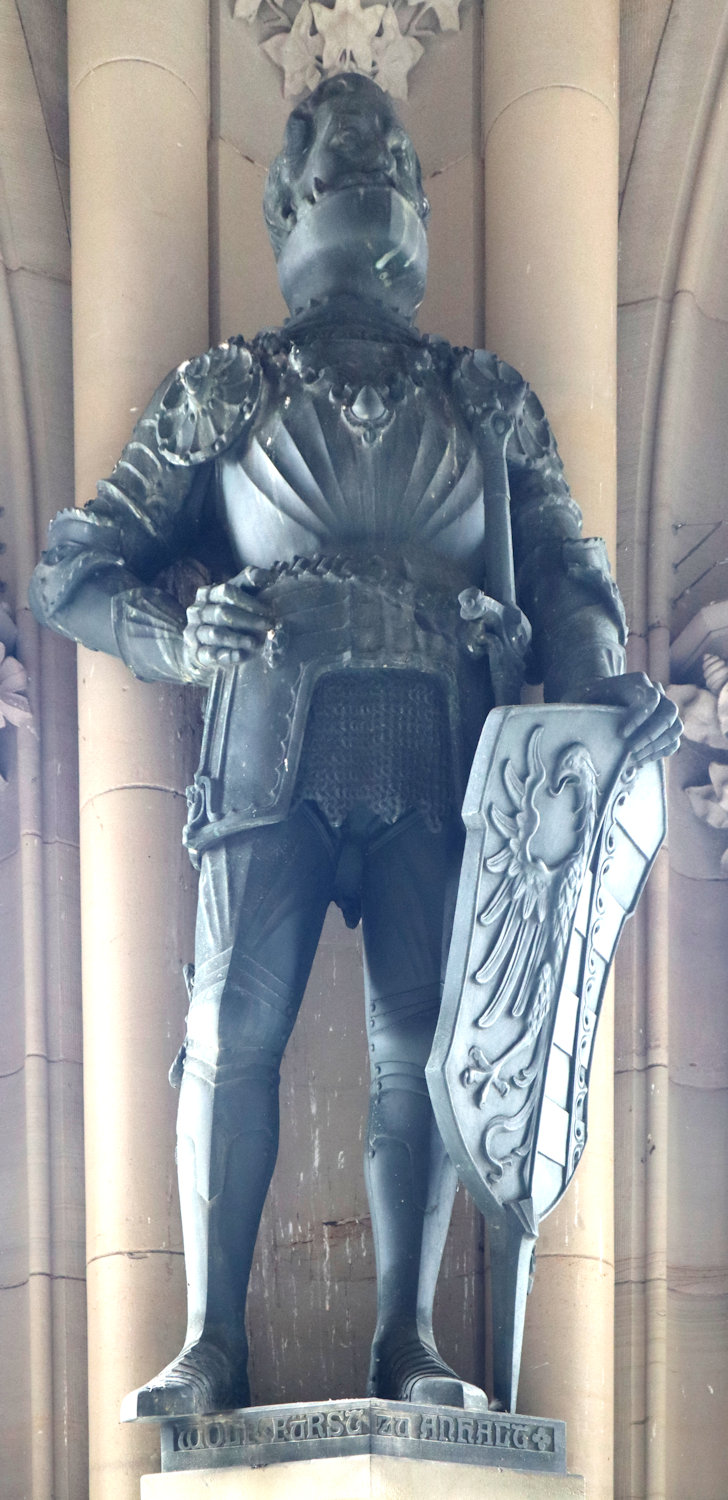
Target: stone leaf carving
{"x":710,"y":803}
{"x":705,"y":710}
{"x":309,"y":41}
{"x":705,"y":717}
{"x":447,"y":12}
{"x":348,"y":30}
{"x":395,"y":55}
{"x":294,"y":52}
{"x":14,"y":706}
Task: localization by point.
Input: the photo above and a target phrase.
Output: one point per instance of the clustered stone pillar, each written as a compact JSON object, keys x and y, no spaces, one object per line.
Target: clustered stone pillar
{"x":139,"y":130}
{"x":551,"y":142}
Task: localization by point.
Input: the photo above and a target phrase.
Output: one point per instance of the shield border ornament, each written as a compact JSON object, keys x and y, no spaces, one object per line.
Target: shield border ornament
{"x":561,"y":833}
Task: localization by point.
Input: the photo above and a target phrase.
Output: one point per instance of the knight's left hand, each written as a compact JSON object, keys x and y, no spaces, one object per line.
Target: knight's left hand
{"x":651,"y":725}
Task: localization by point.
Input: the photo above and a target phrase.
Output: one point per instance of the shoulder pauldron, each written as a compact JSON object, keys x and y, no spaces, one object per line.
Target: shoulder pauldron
{"x":484,"y":385}
{"x":208,"y":403}
{"x":487,"y":387}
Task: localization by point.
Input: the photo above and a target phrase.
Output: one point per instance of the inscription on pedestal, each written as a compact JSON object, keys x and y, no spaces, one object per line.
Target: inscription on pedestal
{"x":277,"y":1434}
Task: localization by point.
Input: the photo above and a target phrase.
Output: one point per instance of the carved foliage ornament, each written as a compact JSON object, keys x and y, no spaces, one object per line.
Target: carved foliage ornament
{"x":309,"y":41}
{"x":14,"y":706}
{"x":705,"y":715}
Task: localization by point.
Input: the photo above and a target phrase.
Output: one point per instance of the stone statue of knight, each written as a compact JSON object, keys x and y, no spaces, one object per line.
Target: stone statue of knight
{"x":391,"y":548}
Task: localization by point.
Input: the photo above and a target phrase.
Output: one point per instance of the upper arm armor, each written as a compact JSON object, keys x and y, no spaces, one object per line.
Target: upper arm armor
{"x":495,"y":398}
{"x":208,"y":404}
{"x":199,"y":411}
{"x":144,"y":516}
{"x":563,"y":580}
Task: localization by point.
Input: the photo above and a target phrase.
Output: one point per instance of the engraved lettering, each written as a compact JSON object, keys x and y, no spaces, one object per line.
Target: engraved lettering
{"x":356,"y":1423}
{"x":465,"y":1429}
{"x":389,"y":1425}
{"x":293,"y":1426}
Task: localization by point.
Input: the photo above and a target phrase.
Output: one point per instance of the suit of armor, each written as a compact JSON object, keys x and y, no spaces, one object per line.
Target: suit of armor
{"x":345,"y":478}
{"x":352,"y":480}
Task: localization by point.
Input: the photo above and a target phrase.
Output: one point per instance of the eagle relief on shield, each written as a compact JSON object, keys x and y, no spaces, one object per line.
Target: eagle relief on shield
{"x":562,"y":830}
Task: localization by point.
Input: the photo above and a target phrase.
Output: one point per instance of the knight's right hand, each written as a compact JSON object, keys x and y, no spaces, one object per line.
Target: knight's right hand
{"x":226,"y":625}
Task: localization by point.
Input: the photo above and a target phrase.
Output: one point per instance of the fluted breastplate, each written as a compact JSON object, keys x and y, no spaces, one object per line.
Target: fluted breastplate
{"x":357,"y":446}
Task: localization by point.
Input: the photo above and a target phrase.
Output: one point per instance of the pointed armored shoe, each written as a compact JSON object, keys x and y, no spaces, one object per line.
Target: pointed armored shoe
{"x":411,"y":1370}
{"x":202,"y":1379}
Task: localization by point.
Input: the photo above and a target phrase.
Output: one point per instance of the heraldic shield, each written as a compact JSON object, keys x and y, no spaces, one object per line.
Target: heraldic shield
{"x":562,"y":830}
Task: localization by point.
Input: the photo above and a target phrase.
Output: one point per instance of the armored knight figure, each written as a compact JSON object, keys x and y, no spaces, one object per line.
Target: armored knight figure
{"x":390,"y":548}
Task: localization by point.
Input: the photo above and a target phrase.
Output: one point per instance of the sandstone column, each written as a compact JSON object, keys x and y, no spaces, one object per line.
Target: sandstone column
{"x":139,"y":128}
{"x":551,"y":135}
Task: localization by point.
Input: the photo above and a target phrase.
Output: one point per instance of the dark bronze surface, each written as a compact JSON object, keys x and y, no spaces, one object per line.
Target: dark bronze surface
{"x":386,"y":547}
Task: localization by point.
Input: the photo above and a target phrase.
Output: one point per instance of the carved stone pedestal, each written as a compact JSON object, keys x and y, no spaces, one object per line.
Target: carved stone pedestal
{"x":361,"y":1478}
{"x":362,"y":1450}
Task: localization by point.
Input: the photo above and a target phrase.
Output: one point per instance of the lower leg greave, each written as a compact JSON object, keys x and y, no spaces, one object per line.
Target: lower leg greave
{"x":262,"y":900}
{"x":227,"y":1142}
{"x":227,"y":1139}
{"x":410,"y":1182}
{"x":411,"y":1185}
